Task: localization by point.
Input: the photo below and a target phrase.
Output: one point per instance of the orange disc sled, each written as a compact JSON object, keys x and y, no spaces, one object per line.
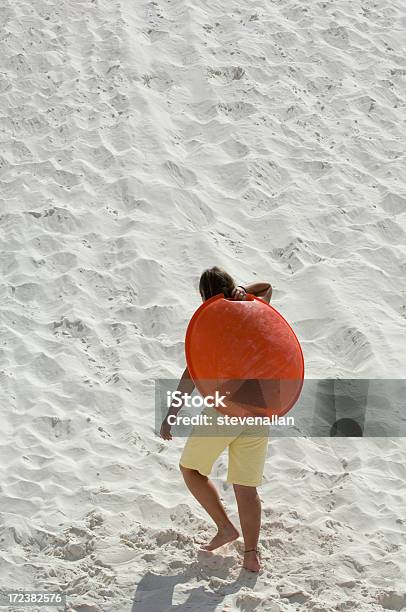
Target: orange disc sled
{"x":248,"y":353}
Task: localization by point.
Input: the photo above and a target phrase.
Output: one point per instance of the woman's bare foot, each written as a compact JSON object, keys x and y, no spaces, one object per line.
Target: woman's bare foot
{"x":251,"y":561}
{"x":224,"y":535}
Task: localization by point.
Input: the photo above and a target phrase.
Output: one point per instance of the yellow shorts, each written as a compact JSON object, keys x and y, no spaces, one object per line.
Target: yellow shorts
{"x":247,"y":449}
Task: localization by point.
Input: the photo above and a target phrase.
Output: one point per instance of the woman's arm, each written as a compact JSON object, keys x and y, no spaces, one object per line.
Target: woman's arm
{"x":186,"y":385}
{"x":261,"y":290}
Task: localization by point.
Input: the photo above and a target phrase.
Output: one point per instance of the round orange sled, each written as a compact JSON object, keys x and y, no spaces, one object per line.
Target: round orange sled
{"x":247,"y":353}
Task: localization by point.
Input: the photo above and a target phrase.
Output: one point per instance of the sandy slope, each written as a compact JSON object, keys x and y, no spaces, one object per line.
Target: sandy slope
{"x":141,"y":142}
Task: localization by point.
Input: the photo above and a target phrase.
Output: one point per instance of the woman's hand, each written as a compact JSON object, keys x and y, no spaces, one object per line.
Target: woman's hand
{"x":186,"y":385}
{"x":165,"y":431}
{"x":238,"y":294}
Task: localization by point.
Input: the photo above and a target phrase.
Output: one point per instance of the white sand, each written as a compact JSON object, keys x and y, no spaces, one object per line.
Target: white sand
{"x":140,"y":143}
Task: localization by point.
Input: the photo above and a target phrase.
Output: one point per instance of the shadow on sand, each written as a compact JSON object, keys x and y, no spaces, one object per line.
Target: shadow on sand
{"x":155,"y":592}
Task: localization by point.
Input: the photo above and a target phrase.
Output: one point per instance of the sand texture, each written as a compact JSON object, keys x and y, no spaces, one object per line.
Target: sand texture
{"x":141,"y":142}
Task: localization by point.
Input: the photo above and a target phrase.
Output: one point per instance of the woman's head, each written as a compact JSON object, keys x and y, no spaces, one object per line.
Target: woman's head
{"x":214,"y":281}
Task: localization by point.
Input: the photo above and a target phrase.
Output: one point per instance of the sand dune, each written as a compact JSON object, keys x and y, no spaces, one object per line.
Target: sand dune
{"x":141,"y":143}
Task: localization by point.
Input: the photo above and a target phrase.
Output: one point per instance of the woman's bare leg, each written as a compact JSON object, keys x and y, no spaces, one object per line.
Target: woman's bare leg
{"x":249,"y":510}
{"x":207,"y":495}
